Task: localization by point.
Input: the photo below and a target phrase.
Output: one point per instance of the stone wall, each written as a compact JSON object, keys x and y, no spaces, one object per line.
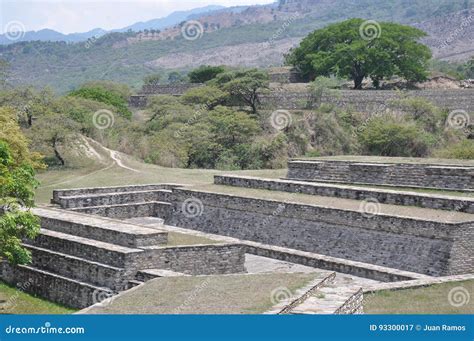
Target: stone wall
{"x":398,"y":174}
{"x":197,"y":259}
{"x":417,"y":245}
{"x":364,"y":101}
{"x":350,"y":192}
{"x":55,"y":288}
{"x":370,"y":100}
{"x":57,"y":193}
{"x":168,"y":89}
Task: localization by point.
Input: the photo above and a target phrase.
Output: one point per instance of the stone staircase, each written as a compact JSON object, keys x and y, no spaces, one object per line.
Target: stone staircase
{"x":329,"y":293}
{"x":78,"y":260}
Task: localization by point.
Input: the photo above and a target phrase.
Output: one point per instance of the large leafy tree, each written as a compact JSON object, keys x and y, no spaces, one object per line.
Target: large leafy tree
{"x":346,"y":50}
{"x":243,"y":86}
{"x":17,"y":185}
{"x":205,"y":73}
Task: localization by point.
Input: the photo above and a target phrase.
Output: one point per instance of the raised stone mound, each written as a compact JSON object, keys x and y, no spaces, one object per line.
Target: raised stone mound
{"x":375,"y":172}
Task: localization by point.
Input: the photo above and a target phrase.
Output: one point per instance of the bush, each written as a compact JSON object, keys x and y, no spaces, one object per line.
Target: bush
{"x":387,"y":136}
{"x":205,"y":73}
{"x":461,"y":150}
{"x":205,"y":95}
{"x":105,"y":96}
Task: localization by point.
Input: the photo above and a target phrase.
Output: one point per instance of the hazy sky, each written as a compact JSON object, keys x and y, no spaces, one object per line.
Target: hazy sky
{"x":69,"y":16}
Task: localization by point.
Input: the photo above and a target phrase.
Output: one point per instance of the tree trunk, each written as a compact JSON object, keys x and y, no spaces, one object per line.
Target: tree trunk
{"x":57,"y":154}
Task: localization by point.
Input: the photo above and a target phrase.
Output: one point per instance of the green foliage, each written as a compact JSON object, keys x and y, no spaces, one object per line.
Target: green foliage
{"x":388,"y":135}
{"x":342,"y":50}
{"x":103,"y":95}
{"x":152,"y":79}
{"x":243,"y":86}
{"x":209,"y":96}
{"x":176,"y":77}
{"x":463,"y":149}
{"x":205,"y":73}
{"x":17,"y":185}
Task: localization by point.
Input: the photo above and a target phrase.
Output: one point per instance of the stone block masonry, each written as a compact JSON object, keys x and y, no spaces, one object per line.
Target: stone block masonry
{"x":434,"y":176}
{"x":197,"y":259}
{"x":421,"y":245}
{"x":359,"y":100}
{"x":383,"y":196}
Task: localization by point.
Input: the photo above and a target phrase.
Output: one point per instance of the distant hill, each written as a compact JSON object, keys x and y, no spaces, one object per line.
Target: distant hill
{"x":248,"y":36}
{"x":160,"y":23}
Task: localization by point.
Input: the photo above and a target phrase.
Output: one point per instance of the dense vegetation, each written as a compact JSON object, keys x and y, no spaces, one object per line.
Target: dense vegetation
{"x":17,"y":185}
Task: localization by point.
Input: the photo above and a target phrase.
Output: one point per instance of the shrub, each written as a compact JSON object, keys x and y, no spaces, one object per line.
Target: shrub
{"x":387,"y":136}
{"x":205,"y":73}
{"x":461,"y":150}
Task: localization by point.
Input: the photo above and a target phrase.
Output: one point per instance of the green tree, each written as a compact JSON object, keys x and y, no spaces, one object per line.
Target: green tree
{"x":103,"y":95}
{"x":205,"y":73}
{"x":17,"y":185}
{"x":243,"y":86}
{"x":152,"y":79}
{"x":345,"y":50}
{"x":208,"y":96}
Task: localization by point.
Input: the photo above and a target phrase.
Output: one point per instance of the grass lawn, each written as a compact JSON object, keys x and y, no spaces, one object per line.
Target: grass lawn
{"x":14,"y":301}
{"x":427,"y":300}
{"x":147,"y":174}
{"x":176,"y":239}
{"x":230,"y":294}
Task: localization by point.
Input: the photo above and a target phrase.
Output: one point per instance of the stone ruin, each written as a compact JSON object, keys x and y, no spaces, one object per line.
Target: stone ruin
{"x":330,"y":215}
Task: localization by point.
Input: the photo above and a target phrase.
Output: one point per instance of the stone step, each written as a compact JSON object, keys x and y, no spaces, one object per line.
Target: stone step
{"x":128,"y":211}
{"x":89,"y":200}
{"x":78,"y":268}
{"x":148,"y":274}
{"x":55,"y":288}
{"x":334,"y":297}
{"x":383,"y":196}
{"x":101,"y":229}
{"x":113,"y":189}
{"x":105,"y":253}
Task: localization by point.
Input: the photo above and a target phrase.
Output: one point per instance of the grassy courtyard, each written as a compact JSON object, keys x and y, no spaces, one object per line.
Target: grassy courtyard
{"x":434,"y":299}
{"x":14,"y":301}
